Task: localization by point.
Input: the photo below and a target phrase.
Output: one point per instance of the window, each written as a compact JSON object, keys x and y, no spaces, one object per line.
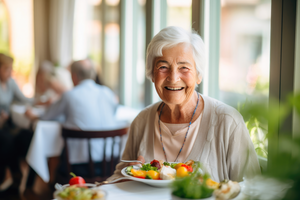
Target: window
{"x":96,"y":36}
{"x":179,"y":13}
{"x":20,"y":37}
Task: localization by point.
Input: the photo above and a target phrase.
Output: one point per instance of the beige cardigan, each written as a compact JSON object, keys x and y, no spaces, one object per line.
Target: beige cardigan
{"x":223,"y":143}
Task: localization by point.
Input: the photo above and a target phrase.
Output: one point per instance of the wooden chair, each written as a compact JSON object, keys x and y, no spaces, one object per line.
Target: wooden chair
{"x":79,"y":134}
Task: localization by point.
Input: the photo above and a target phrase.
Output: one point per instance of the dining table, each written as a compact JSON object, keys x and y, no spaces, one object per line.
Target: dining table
{"x":133,"y":190}
{"x":47,"y":140}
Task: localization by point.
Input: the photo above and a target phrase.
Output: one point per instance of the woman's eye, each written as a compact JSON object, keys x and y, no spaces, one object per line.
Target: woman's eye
{"x":162,"y":67}
{"x":184,"y":68}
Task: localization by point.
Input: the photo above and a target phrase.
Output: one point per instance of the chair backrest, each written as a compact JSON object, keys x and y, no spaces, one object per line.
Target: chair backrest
{"x":80,"y":134}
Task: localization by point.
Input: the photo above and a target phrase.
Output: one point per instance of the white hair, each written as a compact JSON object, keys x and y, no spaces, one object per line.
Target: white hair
{"x":170,"y":37}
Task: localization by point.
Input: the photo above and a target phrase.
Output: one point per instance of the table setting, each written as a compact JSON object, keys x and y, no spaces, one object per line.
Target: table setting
{"x":131,"y":187}
{"x":147,"y":188}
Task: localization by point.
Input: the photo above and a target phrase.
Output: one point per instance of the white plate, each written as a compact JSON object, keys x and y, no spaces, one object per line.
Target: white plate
{"x":151,"y":182}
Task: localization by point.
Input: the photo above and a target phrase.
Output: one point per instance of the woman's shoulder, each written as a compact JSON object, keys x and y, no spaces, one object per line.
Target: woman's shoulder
{"x":146,"y":114}
{"x":222,"y":110}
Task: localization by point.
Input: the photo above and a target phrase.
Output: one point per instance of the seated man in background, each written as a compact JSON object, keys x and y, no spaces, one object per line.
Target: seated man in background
{"x":88,"y":106}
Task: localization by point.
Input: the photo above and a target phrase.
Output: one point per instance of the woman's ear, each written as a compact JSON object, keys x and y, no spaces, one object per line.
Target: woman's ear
{"x":199,"y":80}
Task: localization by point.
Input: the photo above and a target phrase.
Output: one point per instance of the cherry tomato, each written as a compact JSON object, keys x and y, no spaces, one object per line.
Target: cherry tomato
{"x":182,"y":172}
{"x":138,"y":173}
{"x":76,"y":180}
{"x":155,"y":175}
{"x":189,"y":168}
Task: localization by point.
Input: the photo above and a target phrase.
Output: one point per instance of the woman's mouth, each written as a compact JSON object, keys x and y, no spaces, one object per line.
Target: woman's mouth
{"x":174,"y":88}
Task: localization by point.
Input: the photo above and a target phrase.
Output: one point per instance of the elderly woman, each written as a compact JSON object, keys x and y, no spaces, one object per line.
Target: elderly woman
{"x":185,"y":124}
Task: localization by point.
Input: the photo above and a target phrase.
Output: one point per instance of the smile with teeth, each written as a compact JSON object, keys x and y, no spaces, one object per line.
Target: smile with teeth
{"x":174,"y":88}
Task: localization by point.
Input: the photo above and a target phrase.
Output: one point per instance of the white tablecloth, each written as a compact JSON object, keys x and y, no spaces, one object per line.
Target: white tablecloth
{"x":133,"y":190}
{"x":48,"y":142}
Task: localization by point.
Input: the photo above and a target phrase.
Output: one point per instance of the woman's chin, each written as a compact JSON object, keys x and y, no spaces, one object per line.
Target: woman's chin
{"x":173,"y":100}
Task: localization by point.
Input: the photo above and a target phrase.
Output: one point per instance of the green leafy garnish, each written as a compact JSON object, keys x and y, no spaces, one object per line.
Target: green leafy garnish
{"x":148,"y":176}
{"x":193,"y":186}
{"x":166,"y":164}
{"x":173,"y":165}
{"x":147,"y":167}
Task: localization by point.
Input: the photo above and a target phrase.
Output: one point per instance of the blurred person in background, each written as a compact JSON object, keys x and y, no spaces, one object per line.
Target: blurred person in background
{"x":84,"y":106}
{"x":14,"y":143}
{"x":48,"y":88}
{"x":88,"y":106}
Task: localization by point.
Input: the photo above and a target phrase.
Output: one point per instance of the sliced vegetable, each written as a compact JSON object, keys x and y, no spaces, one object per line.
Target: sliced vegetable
{"x":178,"y":165}
{"x":173,"y":165}
{"x":138,"y":173}
{"x":148,"y":176}
{"x":153,"y":174}
{"x":128,"y":170}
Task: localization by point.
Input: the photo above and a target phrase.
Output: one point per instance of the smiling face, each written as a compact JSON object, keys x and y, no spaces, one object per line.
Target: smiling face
{"x":175,"y":75}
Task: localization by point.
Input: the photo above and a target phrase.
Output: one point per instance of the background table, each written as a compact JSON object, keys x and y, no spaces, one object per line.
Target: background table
{"x":47,"y":140}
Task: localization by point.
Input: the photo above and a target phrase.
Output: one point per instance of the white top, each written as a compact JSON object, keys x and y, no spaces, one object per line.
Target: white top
{"x":222,"y":145}
{"x":173,"y":141}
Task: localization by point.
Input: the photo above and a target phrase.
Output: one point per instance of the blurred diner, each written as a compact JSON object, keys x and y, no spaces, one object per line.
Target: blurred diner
{"x":14,"y":142}
{"x":187,"y":125}
{"x":48,"y":87}
{"x":88,"y":106}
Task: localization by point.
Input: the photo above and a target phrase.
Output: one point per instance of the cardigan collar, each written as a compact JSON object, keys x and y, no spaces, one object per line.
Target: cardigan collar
{"x":197,"y":151}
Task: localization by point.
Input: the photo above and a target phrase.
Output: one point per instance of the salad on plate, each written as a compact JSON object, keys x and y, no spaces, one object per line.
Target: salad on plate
{"x":78,"y":189}
{"x":159,"y":170}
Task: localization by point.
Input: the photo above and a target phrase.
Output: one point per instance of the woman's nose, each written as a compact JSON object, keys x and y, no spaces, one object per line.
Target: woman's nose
{"x":174,"y":76}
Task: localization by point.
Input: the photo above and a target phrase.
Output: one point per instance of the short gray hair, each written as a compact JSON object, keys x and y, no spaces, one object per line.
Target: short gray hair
{"x":83,"y":69}
{"x":170,"y":37}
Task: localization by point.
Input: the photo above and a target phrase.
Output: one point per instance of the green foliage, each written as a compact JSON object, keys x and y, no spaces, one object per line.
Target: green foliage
{"x":286,"y":159}
{"x":257,"y":127}
{"x":193,"y":186}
